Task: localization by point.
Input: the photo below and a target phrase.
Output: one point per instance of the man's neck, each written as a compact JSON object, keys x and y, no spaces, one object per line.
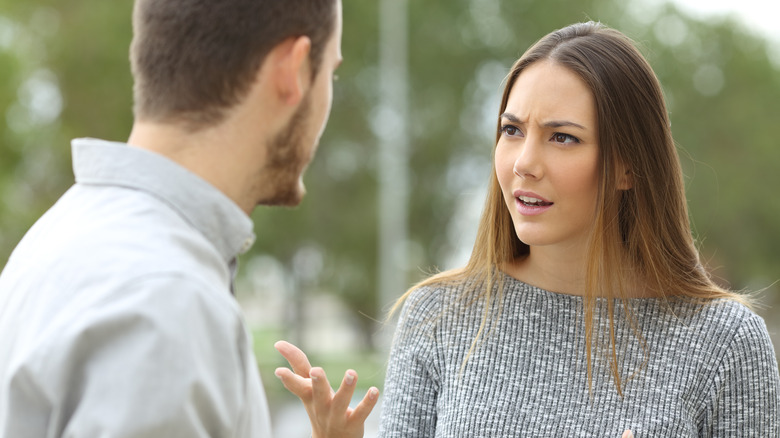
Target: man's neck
{"x":211,"y":153}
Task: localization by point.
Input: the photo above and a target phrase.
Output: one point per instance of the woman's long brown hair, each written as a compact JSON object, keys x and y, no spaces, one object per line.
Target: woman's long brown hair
{"x":641,"y":234}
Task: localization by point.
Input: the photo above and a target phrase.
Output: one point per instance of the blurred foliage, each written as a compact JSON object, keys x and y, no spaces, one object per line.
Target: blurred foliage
{"x":721,"y":85}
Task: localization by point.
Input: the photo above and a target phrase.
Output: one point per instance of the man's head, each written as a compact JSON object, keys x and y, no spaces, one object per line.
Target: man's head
{"x":250,"y":78}
{"x":194,"y":59}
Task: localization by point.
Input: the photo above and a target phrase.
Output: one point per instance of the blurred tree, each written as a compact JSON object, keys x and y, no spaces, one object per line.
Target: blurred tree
{"x":724,"y":93}
{"x":64,"y":73}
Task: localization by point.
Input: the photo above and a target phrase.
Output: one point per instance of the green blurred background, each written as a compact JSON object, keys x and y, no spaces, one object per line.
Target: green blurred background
{"x":313,"y":276}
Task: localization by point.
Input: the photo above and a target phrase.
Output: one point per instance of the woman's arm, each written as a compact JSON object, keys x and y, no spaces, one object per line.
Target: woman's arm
{"x":413,"y":373}
{"x":747,"y":386}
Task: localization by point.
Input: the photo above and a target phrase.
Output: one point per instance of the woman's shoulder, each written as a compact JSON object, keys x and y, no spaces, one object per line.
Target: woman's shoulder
{"x":423,"y":299}
{"x":722,"y":319}
{"x":726,"y":313}
{"x":744,"y":340}
{"x":430,"y":296}
{"x":436,"y":295}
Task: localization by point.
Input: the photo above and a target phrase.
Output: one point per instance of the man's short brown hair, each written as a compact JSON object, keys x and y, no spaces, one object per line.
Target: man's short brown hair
{"x":193,"y":59}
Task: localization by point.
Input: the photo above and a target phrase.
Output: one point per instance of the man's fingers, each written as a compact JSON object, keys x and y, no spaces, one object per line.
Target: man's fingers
{"x":297,"y":358}
{"x":628,"y":434}
{"x":361,"y":411}
{"x":312,"y":387}
{"x":322,"y":393}
{"x":344,"y":394}
{"x":296,"y":384}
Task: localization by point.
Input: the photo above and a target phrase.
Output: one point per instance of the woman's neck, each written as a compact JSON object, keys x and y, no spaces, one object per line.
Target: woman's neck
{"x":564,"y":271}
{"x":552,"y":269}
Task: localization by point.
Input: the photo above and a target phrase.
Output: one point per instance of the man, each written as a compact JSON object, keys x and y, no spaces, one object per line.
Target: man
{"x":116,"y":312}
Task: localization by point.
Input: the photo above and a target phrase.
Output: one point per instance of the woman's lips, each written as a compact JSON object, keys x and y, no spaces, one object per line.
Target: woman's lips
{"x":531,"y":204}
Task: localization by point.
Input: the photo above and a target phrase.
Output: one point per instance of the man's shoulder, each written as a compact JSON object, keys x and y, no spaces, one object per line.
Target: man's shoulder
{"x":81,"y":259}
{"x":114,"y":232}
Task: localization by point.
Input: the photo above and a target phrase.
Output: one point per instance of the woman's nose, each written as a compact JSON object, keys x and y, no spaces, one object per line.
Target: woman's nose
{"x":528,"y":162}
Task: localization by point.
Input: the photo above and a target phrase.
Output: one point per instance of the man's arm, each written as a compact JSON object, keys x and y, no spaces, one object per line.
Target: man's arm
{"x":156,"y":359}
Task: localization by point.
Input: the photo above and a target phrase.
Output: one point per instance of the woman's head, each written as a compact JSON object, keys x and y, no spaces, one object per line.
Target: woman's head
{"x":640,"y":208}
{"x":547,"y":158}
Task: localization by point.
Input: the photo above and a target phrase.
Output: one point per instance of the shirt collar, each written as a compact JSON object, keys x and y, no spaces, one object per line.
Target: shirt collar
{"x":210,"y":211}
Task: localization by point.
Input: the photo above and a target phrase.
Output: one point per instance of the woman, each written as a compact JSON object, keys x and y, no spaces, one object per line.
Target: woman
{"x":584,"y":309}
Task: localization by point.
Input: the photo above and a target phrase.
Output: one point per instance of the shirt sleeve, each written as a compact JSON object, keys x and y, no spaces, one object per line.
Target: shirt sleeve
{"x":162,"y":359}
{"x":412,"y":382}
{"x":748,"y":385}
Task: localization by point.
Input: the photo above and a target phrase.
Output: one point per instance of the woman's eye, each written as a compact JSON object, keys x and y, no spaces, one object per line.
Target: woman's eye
{"x":511,"y":130}
{"x":562,"y":138}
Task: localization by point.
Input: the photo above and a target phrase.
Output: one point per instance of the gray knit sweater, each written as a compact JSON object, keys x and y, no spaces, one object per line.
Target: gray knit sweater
{"x":710,"y":372}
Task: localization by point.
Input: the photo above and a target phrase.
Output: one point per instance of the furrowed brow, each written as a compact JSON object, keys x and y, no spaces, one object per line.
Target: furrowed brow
{"x":561,"y":123}
{"x":511,"y":117}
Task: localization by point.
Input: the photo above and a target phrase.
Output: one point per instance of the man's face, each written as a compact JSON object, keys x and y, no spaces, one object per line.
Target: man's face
{"x":293,"y":148}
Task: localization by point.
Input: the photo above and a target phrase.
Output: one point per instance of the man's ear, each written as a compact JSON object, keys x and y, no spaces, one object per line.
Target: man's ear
{"x":291,"y":72}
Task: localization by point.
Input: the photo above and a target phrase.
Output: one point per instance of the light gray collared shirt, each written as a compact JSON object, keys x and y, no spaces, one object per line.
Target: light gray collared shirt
{"x":116,"y":317}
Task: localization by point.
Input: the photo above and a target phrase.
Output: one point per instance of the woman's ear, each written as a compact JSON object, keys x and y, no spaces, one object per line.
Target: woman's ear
{"x":625,"y":179}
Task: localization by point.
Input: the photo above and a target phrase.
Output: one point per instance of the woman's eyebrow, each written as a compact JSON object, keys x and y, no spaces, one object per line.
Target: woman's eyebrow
{"x":511,"y":117}
{"x":559,"y":123}
{"x":551,"y":124}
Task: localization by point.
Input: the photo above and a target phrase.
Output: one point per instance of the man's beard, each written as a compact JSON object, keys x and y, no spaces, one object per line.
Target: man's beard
{"x":288,"y":156}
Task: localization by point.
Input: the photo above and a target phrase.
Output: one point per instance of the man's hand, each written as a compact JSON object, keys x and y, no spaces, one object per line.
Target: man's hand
{"x":329,"y":412}
{"x":628,"y":434}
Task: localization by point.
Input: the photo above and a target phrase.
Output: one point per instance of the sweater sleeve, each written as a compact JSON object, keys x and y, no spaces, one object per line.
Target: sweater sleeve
{"x":412,"y":382}
{"x":747,"y":385}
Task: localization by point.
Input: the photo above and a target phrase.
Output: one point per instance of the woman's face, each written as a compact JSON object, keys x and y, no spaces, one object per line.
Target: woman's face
{"x":547,"y":157}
